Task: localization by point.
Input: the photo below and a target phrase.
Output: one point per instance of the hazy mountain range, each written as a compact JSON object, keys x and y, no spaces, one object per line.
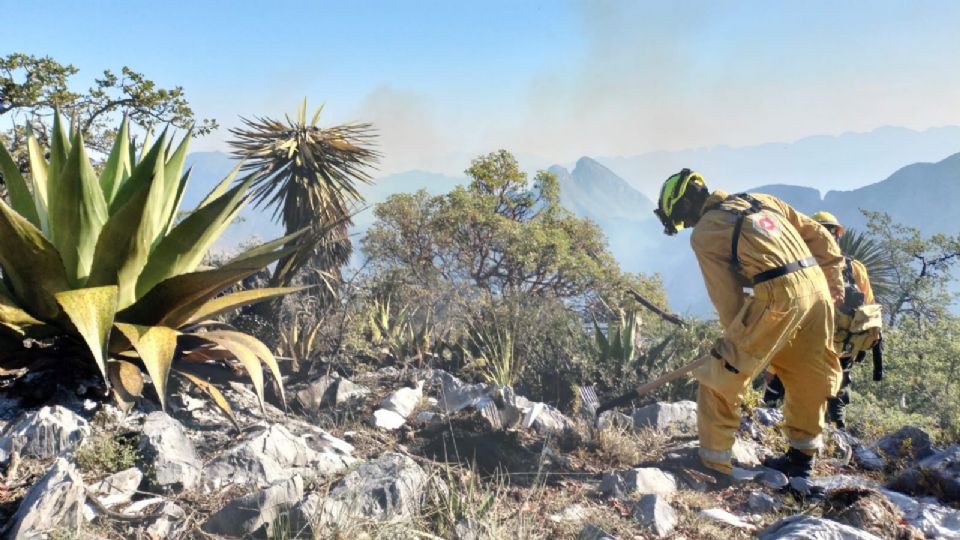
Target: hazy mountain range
{"x":822,"y":162}
{"x":921,"y":195}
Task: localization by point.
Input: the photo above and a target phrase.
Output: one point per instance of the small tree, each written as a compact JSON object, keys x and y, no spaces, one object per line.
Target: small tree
{"x":33,"y":88}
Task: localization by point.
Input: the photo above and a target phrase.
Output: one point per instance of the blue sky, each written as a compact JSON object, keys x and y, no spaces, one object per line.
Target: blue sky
{"x":445,"y":80}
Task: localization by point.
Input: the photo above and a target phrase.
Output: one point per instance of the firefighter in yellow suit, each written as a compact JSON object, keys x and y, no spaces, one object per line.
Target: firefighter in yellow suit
{"x":854,"y":274}
{"x":794,"y":268}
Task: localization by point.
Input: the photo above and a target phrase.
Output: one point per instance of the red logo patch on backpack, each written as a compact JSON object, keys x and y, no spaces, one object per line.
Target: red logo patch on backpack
{"x":765,"y":224}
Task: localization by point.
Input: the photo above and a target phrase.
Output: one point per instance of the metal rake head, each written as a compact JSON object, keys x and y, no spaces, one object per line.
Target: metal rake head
{"x":589,"y":402}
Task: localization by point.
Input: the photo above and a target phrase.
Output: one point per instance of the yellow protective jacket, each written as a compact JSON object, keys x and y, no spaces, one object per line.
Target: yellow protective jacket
{"x":760,"y":249}
{"x":862,"y":280}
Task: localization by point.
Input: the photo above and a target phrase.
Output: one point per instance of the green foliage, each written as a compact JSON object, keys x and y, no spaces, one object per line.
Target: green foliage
{"x":511,"y":280}
{"x":499,"y":234}
{"x":494,"y":340}
{"x":456,"y":497}
{"x":106,"y":454}
{"x":99,"y":260}
{"x":921,"y":340}
{"x":32,"y":88}
{"x":619,"y":343}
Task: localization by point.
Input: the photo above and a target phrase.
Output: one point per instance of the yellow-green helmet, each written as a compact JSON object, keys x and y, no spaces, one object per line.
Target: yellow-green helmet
{"x":673,"y":190}
{"x":828,"y":220}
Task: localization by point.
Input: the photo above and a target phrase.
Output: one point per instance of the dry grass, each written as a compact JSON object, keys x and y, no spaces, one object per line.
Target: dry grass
{"x":616,"y":447}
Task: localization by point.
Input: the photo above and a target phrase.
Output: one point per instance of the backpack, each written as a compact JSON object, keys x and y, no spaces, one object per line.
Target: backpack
{"x":858,"y":324}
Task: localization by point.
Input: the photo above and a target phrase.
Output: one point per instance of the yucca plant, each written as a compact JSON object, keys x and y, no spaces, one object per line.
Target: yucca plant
{"x":877,"y":260}
{"x":310,"y":176}
{"x":101,"y":261}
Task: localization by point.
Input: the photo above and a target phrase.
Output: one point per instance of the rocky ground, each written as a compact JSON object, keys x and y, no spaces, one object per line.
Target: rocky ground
{"x":421,"y":454}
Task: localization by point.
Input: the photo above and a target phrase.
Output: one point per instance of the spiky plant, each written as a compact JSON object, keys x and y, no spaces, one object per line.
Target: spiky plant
{"x":618,"y":345}
{"x":100,"y":262}
{"x":876,"y":259}
{"x":309,"y":175}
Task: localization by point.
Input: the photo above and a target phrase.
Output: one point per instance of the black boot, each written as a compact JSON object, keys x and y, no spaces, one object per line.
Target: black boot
{"x":793,"y":463}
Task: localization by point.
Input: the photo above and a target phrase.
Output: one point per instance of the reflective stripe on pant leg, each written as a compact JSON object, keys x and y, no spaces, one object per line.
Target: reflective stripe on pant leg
{"x":806,"y":443}
{"x":716,"y":456}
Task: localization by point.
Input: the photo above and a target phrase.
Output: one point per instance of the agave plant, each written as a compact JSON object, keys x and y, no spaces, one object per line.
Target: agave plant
{"x":102,"y":261}
{"x":619,"y":343}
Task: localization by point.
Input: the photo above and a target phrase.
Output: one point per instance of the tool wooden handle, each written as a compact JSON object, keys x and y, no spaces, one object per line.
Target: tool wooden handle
{"x":673,"y":375}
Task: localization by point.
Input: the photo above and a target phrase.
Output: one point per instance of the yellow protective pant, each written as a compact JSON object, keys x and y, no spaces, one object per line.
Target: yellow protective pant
{"x":787,"y":323}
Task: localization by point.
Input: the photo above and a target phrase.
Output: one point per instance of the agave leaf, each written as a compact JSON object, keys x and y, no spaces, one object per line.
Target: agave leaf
{"x":59,"y":150}
{"x":127,"y":381}
{"x":187,"y":292}
{"x":20,"y":198}
{"x":181,"y":189}
{"x":240,"y":349}
{"x":258,"y":348}
{"x":11,"y":313}
{"x":602,"y":343}
{"x":31,"y":264}
{"x":129,"y":235}
{"x":77,"y":213}
{"x":220,"y":188}
{"x":182,"y":250}
{"x":156,"y":346}
{"x":91,"y":312}
{"x":141,"y":175}
{"x":231,"y":301}
{"x":214,"y":394}
{"x":269,"y":247}
{"x":38,"y":174}
{"x":172,"y":180}
{"x":118,"y":166}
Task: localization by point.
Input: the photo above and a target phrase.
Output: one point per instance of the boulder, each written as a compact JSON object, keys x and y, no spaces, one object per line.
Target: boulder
{"x":255,"y":514}
{"x":388,"y":420}
{"x":388,"y":487}
{"x":165,"y":445}
{"x":907,"y":442}
{"x":574,"y":513}
{"x":746,"y":452}
{"x":762,"y":503}
{"x":867,"y":458}
{"x":117,"y":488}
{"x":869,"y":510}
{"x":592,"y":532}
{"x":347,"y":391}
{"x":403,"y":401}
{"x":55,"y":501}
{"x":768,"y":416}
{"x":937,"y":474}
{"x":931,"y":518}
{"x":656,"y":515}
{"x":317,"y":393}
{"x":773,"y":479}
{"x":674,"y":417}
{"x":270,"y":455}
{"x":804,"y":527}
{"x":642,"y":481}
{"x":169,"y":524}
{"x":456,"y":395}
{"x":49,"y":431}
{"x":614,"y":419}
{"x":722,"y":516}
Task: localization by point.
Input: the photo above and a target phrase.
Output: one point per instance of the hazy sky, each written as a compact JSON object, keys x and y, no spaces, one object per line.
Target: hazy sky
{"x":446,"y":80}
